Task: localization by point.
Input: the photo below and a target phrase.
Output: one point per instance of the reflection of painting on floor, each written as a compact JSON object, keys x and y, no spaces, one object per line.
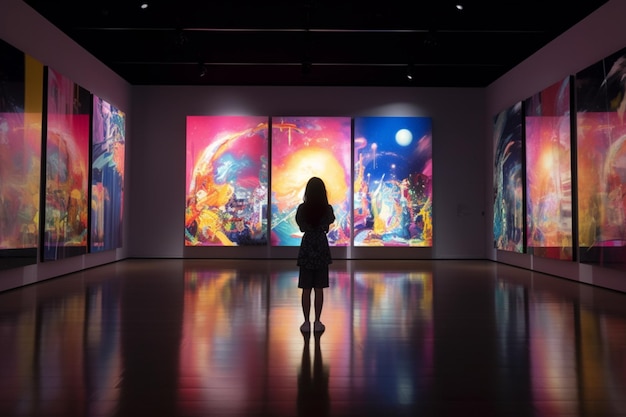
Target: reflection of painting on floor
{"x":392,"y":181}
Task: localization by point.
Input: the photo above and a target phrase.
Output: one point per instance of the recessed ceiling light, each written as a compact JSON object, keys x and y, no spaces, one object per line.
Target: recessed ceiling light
{"x":144,"y":5}
{"x":459,"y":6}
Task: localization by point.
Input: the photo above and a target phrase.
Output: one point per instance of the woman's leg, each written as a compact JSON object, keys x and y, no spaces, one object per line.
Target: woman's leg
{"x":306,"y":303}
{"x":319,"y":303}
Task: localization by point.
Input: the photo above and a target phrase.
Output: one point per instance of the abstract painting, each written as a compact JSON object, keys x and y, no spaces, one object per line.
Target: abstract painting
{"x":21,"y":92}
{"x":393,"y":181}
{"x":67,"y":168}
{"x":304,"y":147}
{"x":107,"y":175}
{"x":549,"y":172}
{"x":508,"y":181}
{"x":226,"y":181}
{"x":601,"y":150}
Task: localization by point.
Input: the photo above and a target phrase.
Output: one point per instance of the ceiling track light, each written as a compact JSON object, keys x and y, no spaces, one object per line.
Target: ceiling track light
{"x":202,"y":71}
{"x":431,"y":39}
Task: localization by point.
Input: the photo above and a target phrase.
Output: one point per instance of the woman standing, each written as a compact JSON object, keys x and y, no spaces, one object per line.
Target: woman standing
{"x":314,"y":217}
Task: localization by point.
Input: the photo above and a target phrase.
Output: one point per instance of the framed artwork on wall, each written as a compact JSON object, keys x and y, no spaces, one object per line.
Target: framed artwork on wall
{"x":393,"y":181}
{"x":508,"y":181}
{"x":549,"y":172}
{"x":301,"y":148}
{"x":66,"y":204}
{"x":226,"y":181}
{"x":601,"y":162}
{"x":108,"y":146}
{"x":21,"y":92}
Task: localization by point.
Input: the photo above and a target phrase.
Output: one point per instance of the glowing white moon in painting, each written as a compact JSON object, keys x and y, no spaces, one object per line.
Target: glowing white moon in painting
{"x":404,"y":137}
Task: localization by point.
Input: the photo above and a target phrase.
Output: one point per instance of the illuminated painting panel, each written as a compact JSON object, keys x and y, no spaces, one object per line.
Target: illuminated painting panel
{"x":393,"y":181}
{"x":508,"y":211}
{"x":601,"y":151}
{"x":226,"y":181}
{"x":67,"y":165}
{"x":304,"y":147}
{"x":20,"y":156}
{"x":549,"y":173}
{"x":107,"y":175}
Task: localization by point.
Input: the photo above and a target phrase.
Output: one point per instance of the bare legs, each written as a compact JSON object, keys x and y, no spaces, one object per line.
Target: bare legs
{"x":306,"y":306}
{"x":319,"y":303}
{"x":306,"y":303}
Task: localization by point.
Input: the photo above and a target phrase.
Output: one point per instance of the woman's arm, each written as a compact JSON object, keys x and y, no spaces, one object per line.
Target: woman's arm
{"x":329,"y":218}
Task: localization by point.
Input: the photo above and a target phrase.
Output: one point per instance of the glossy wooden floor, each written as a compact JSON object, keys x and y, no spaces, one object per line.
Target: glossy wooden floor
{"x":221,"y":338}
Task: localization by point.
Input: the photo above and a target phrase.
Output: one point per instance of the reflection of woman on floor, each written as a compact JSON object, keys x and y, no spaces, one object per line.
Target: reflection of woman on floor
{"x":313,"y":396}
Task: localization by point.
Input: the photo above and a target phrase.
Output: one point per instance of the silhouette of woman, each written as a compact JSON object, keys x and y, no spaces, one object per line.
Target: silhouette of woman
{"x":314,"y":217}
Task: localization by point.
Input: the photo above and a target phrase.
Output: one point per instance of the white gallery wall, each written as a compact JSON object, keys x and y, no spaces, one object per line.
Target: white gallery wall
{"x":599,"y":35}
{"x":158,"y":160}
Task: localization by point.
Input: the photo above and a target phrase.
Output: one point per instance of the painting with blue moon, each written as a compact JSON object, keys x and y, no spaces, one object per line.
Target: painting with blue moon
{"x":393,"y":181}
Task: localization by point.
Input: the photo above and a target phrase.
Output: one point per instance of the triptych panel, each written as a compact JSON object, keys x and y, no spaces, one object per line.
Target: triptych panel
{"x":377,"y":172}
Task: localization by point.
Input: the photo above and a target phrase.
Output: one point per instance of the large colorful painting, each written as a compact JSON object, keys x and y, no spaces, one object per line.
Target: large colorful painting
{"x":393,"y":181}
{"x":601,"y":151}
{"x":67,"y":168}
{"x":227,"y":181}
{"x":21,"y":92}
{"x":549,"y":172}
{"x":508,"y":181}
{"x":303,"y":147}
{"x":107,"y":175}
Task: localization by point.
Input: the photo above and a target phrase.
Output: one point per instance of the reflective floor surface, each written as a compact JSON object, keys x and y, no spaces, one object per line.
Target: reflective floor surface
{"x":221,"y":338}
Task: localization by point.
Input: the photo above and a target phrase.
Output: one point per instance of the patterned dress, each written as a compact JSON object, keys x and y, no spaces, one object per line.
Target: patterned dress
{"x":314,"y":251}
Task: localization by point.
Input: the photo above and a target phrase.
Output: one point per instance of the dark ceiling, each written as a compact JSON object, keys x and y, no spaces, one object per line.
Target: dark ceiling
{"x":313,"y":42}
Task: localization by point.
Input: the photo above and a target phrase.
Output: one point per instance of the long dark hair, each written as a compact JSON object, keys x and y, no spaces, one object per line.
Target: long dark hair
{"x":315,"y":200}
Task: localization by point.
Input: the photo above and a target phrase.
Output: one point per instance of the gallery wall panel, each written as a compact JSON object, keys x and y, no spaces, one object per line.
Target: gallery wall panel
{"x":573,"y":204}
{"x":226,"y":181}
{"x":601,"y":164}
{"x":66,"y":204}
{"x":21,"y":90}
{"x":508,"y":180}
{"x":59,"y":198}
{"x":108,"y":149}
{"x":393,"y":181}
{"x":549,"y":191}
{"x":304,"y":147}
